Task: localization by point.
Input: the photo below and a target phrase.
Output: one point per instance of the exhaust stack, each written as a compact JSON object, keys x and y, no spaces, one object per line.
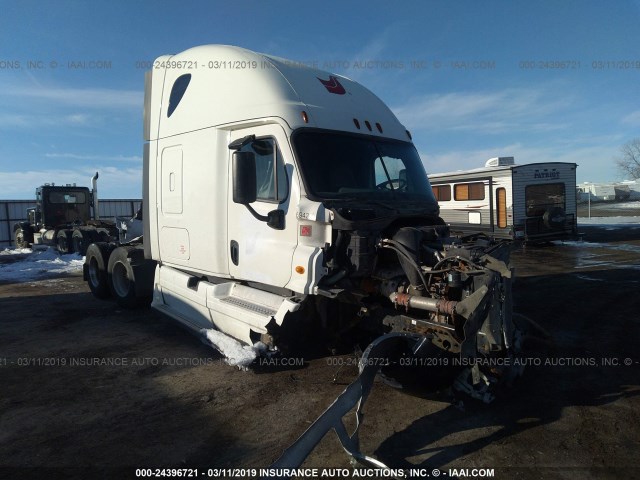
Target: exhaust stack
{"x":94,"y":194}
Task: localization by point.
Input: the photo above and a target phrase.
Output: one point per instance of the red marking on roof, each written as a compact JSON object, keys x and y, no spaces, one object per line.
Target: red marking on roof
{"x":333,"y":85}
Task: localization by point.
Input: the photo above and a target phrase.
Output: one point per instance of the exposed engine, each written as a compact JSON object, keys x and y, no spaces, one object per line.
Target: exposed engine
{"x":444,"y":307}
{"x":452,"y":296}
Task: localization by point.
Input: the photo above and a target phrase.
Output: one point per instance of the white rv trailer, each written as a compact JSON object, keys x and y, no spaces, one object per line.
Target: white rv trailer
{"x":534,"y":202}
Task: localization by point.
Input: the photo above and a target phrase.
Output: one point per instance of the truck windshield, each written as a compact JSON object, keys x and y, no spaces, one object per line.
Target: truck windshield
{"x":67,"y":197}
{"x":339,"y":166}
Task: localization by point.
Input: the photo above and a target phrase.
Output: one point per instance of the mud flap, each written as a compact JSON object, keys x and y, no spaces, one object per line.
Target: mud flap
{"x":376,"y":355}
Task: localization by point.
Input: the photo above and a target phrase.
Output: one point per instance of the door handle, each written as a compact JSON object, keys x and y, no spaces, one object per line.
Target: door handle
{"x":235,"y":252}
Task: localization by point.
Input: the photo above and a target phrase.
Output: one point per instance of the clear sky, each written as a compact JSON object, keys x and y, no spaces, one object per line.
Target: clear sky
{"x":542,"y":81}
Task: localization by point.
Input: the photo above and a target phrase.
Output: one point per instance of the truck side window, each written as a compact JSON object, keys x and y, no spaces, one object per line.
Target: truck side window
{"x":177,"y":92}
{"x":271,"y":176}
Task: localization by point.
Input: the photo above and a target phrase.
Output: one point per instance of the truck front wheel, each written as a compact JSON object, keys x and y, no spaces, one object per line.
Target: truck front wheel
{"x":95,"y":263}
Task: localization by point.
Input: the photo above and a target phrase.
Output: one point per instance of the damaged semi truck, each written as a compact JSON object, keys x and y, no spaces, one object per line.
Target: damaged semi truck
{"x":281,"y":200}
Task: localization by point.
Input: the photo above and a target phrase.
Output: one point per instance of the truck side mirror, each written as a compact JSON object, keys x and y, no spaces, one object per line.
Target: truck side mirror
{"x":276,"y":219}
{"x":245,"y":188}
{"x":244,"y":177}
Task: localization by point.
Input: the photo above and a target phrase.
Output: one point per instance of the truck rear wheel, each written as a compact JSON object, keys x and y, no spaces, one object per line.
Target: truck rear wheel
{"x":64,"y":241}
{"x":96,"y":262}
{"x":82,"y":239}
{"x":128,"y":277}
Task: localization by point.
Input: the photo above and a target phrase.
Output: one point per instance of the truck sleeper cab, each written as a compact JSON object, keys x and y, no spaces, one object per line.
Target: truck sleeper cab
{"x":319,"y":150}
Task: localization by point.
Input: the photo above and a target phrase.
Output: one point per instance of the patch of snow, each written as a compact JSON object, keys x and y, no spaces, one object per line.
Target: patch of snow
{"x":591,"y":279}
{"x":576,"y":243}
{"x":581,"y":244}
{"x":624,"y":206}
{"x":39,"y":264}
{"x":611,"y":246}
{"x":235,"y":353}
{"x":609,"y":221}
{"x":15,"y":251}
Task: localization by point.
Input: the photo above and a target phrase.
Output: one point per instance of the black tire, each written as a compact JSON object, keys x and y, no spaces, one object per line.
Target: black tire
{"x":20,"y":238}
{"x":125,"y":264}
{"x":64,"y":241}
{"x":82,"y":239}
{"x":96,"y":262}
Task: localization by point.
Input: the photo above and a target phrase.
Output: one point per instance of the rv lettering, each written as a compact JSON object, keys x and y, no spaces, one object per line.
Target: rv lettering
{"x":545,"y":174}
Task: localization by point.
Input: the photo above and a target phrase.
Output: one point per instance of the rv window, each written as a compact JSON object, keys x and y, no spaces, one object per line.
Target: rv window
{"x":271,"y":182}
{"x":469,"y":191}
{"x":442,"y":192}
{"x":540,"y":198}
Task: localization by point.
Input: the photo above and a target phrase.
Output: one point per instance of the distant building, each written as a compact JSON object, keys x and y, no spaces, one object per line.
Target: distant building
{"x":634,"y":188}
{"x":609,"y":192}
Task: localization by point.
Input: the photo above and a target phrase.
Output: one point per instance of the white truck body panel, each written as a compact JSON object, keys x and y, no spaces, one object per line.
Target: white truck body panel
{"x":231,"y":85}
{"x":229,"y":307}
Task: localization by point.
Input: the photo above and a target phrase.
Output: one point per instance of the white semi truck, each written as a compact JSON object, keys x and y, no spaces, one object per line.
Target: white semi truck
{"x":281,"y":201}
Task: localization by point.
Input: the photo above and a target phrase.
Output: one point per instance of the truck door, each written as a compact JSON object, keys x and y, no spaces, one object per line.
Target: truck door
{"x":256,"y":251}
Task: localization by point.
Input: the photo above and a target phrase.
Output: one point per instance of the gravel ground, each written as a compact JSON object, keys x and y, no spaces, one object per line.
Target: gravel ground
{"x":91,"y":391}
